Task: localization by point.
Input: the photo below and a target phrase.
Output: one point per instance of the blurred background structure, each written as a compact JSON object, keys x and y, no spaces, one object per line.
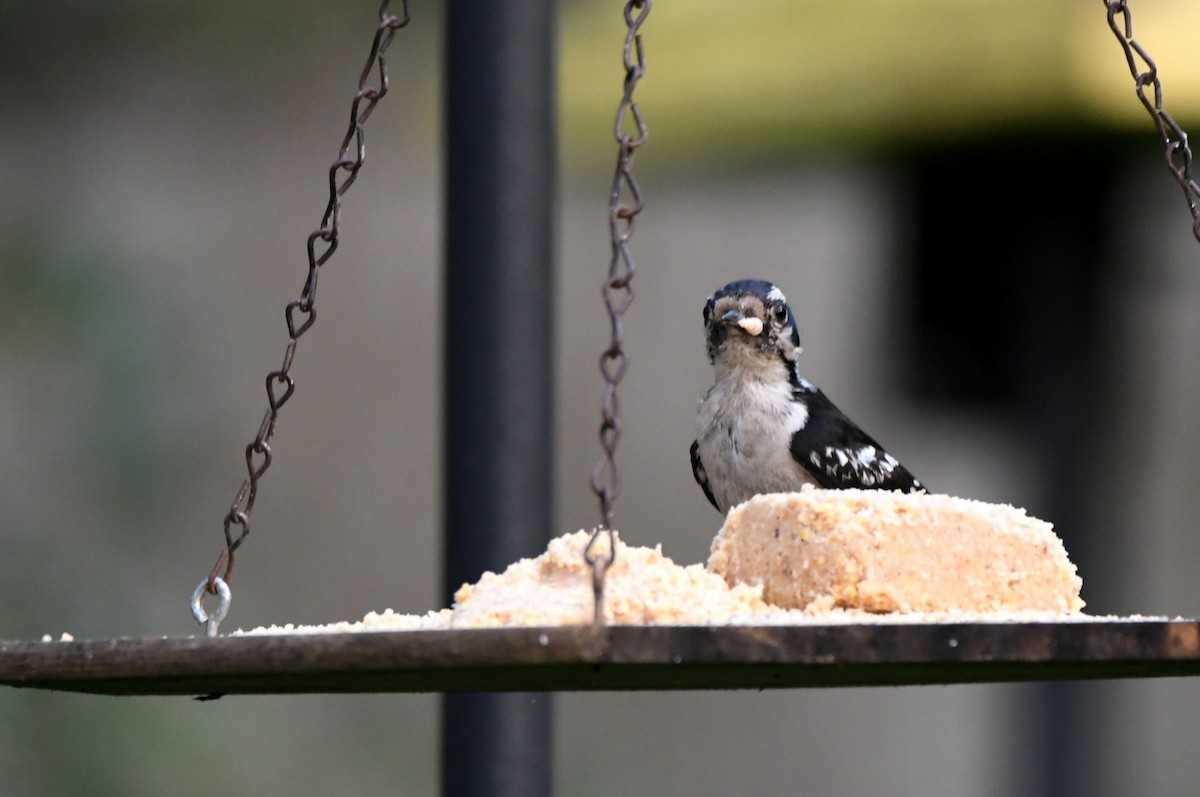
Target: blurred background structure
{"x":964,"y":202}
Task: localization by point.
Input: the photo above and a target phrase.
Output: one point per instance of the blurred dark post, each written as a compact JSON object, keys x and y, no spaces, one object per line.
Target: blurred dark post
{"x":498,"y":299}
{"x":1015,"y":327}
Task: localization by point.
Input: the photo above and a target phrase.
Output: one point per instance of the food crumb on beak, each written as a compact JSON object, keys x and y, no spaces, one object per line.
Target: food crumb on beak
{"x":752,"y":326}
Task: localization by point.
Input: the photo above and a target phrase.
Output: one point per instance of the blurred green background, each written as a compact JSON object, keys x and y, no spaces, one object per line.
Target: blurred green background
{"x":880,"y":160}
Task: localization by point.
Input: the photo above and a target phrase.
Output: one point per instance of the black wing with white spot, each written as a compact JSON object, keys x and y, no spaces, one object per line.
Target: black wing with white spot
{"x":701,"y":475}
{"x":840,"y":455}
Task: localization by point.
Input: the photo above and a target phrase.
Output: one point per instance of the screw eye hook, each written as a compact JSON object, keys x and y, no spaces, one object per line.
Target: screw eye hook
{"x":224,"y":596}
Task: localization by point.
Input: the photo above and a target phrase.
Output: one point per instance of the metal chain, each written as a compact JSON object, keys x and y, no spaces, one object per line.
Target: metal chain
{"x":300,"y":315}
{"x":618,"y":295}
{"x":1173,"y":138}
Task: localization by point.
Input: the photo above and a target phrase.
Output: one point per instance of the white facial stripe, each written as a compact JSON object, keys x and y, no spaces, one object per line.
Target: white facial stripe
{"x":776,"y":295}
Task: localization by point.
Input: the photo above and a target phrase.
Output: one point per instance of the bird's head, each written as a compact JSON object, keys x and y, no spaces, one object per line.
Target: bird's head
{"x":750,"y":320}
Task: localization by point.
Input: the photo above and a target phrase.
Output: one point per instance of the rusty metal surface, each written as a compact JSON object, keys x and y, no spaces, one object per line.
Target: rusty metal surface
{"x":301,"y":313}
{"x":608,"y":658}
{"x":1146,"y":82}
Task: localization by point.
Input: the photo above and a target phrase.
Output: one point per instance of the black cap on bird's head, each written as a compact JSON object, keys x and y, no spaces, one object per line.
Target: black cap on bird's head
{"x":753,"y":314}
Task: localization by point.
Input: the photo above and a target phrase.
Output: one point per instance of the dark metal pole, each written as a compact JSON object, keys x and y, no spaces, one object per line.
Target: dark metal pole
{"x":497,"y":304}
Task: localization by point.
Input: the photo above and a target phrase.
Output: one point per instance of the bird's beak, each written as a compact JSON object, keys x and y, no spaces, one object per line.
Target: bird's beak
{"x":751,"y":326}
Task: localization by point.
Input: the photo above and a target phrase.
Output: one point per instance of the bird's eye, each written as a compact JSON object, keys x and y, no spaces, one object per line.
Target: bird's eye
{"x":781,"y":313}
{"x":708,"y":308}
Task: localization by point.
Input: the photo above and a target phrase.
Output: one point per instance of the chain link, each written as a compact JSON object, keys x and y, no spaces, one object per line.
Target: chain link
{"x":1145,"y":75}
{"x":625,"y":203}
{"x":301,"y":313}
